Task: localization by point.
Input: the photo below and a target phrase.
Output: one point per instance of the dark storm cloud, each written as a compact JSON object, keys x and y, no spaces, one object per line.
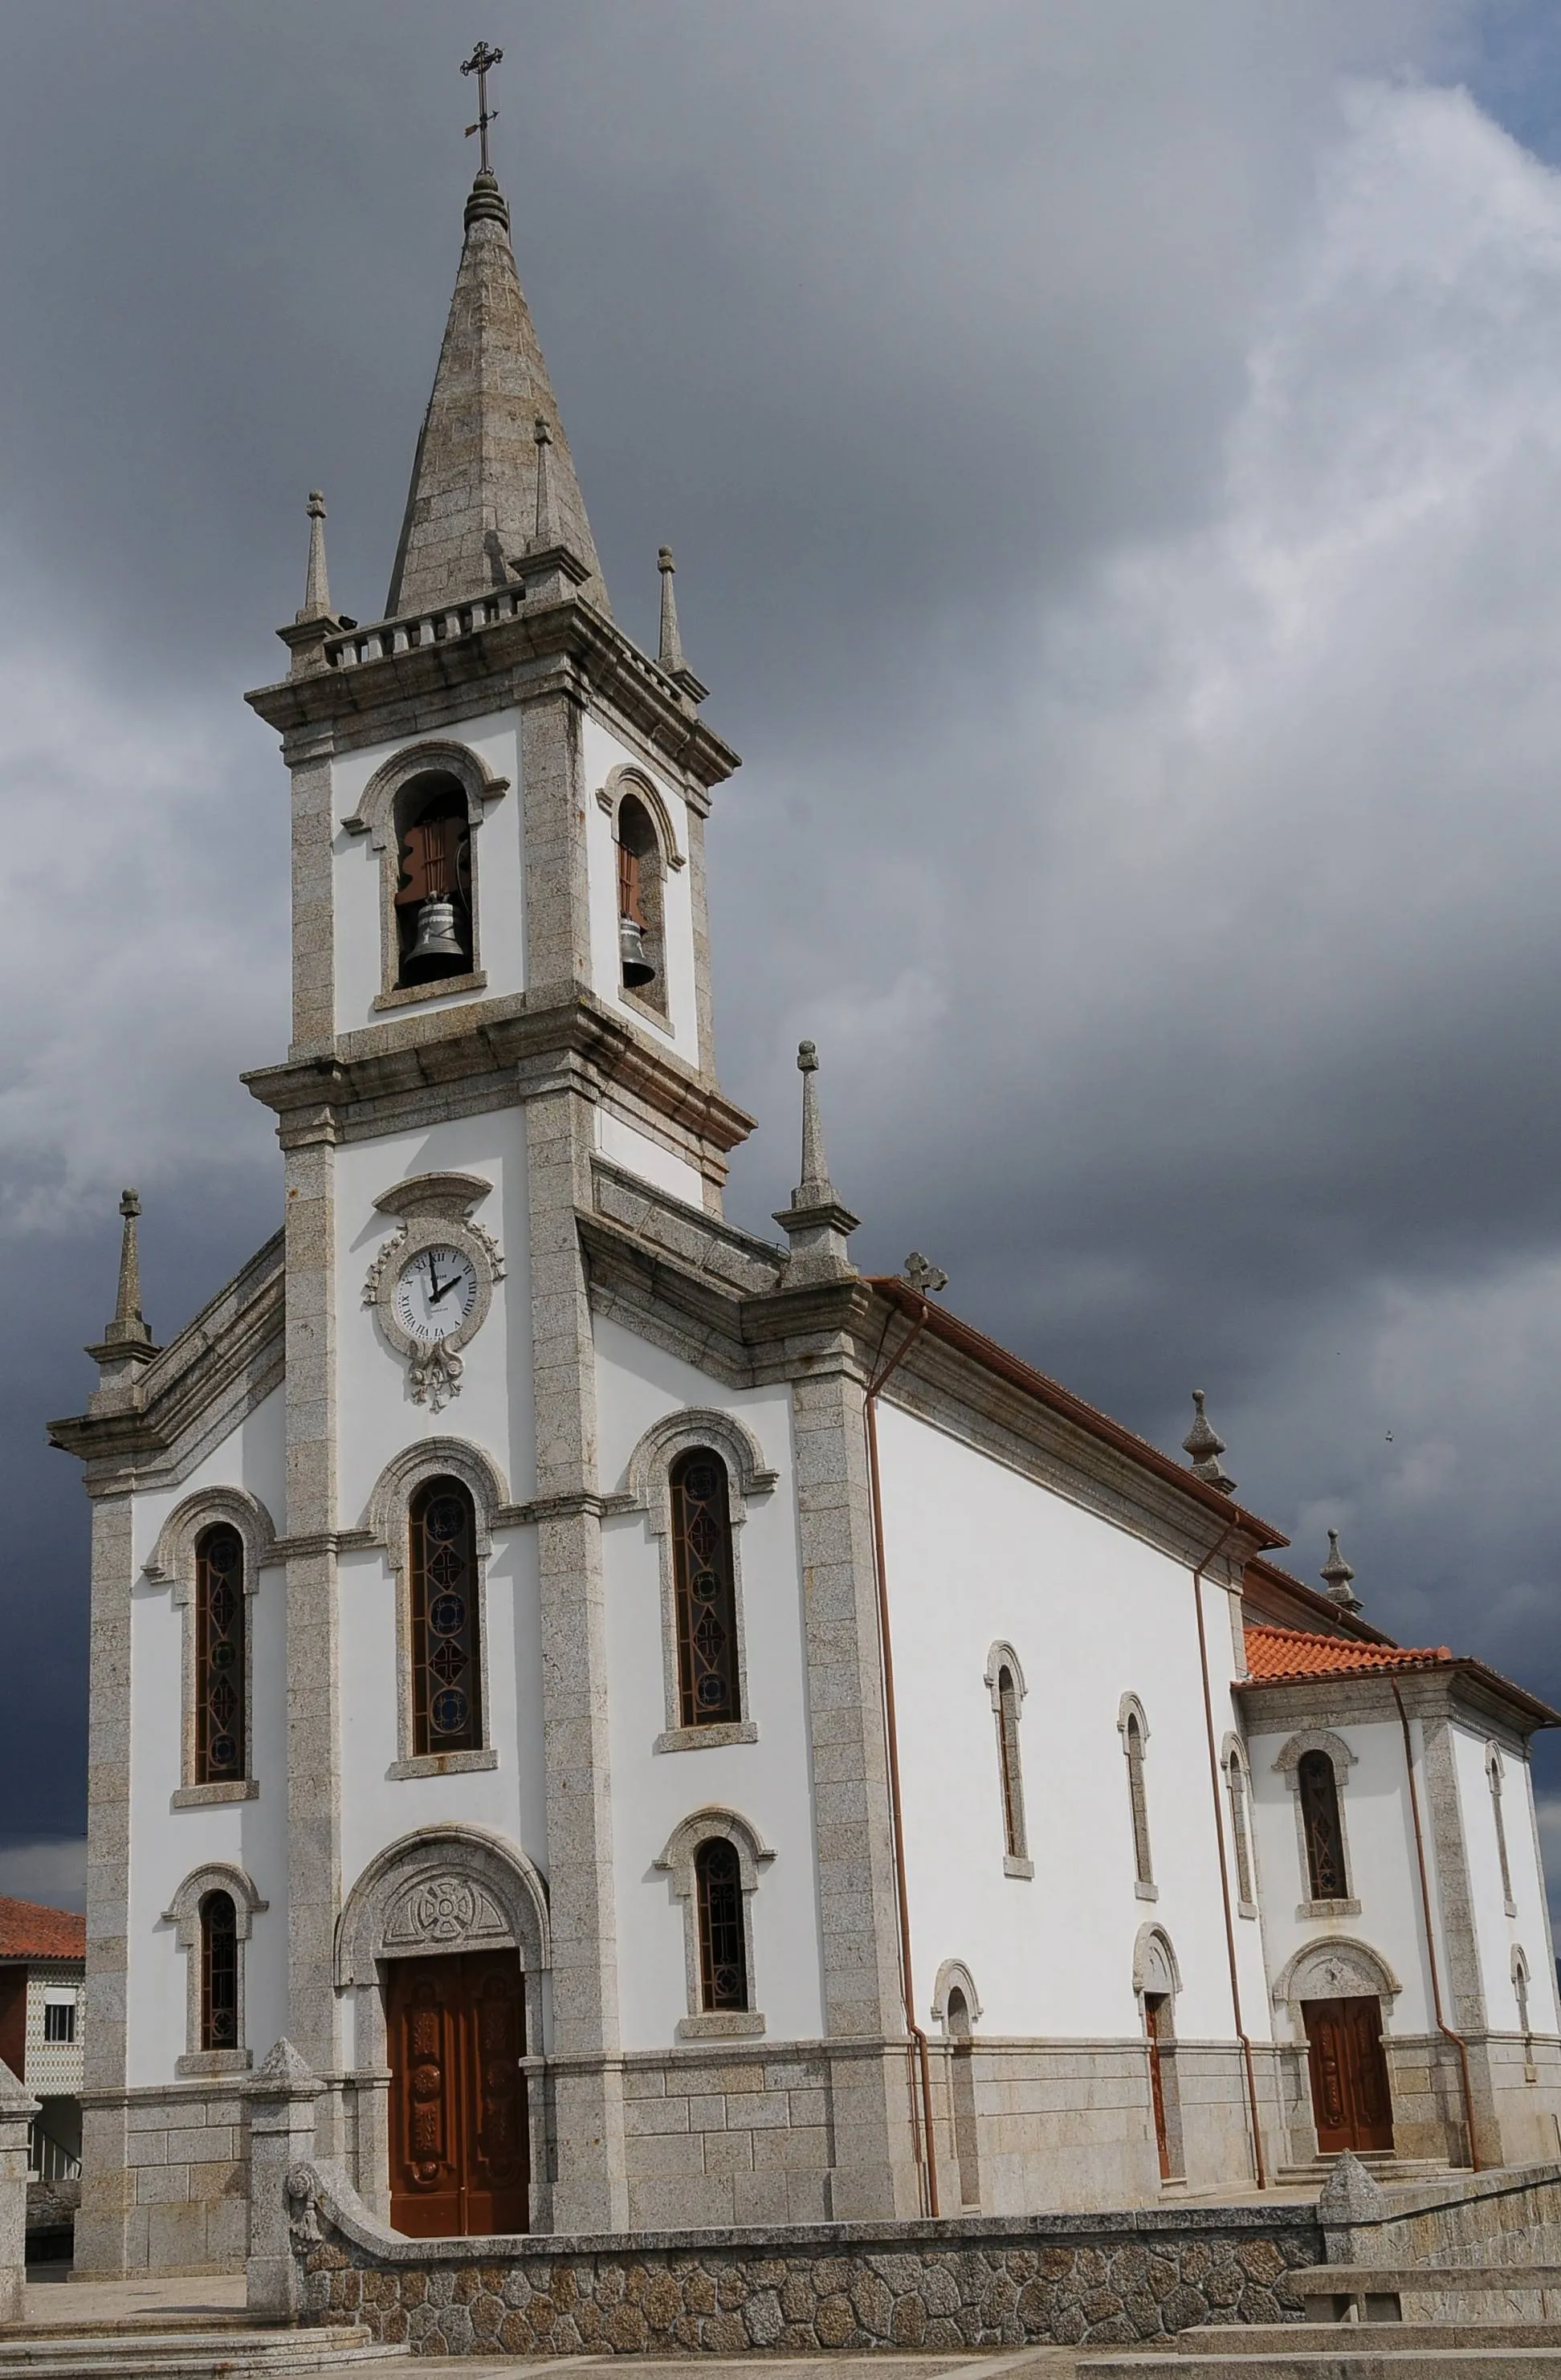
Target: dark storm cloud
{"x":1109,"y":455}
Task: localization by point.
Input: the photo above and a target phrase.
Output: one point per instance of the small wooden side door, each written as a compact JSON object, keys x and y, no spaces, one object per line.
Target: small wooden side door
{"x":1154,"y":2019}
{"x":1350,"y":2100}
{"x":459,"y":2137}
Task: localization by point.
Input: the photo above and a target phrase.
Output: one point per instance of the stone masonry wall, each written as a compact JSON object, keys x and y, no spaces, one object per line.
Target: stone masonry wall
{"x":978,"y":2282}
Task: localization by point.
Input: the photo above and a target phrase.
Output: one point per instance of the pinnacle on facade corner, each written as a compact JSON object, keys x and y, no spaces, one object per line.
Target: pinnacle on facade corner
{"x":1202,"y":1447}
{"x":128,"y":1327}
{"x":1338,"y":1578}
{"x":545,"y":529}
{"x":815,"y":1223}
{"x":670,"y":652}
{"x":317,"y":584}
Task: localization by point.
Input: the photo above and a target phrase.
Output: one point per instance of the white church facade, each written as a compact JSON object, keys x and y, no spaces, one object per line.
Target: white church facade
{"x":672,"y":1731}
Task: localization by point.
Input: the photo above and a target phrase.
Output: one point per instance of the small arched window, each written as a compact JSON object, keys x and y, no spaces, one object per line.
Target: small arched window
{"x":1493,"y":1777}
{"x":703,"y":1578}
{"x":1138,"y":1802}
{"x":220,"y":1610}
{"x":1318,"y":1788}
{"x":219,"y":1972}
{"x":1240,"y":1826}
{"x":446,"y":1680}
{"x":723,"y":1955}
{"x":432,"y":900}
{"x":641,"y":923}
{"x":1008,"y":1762}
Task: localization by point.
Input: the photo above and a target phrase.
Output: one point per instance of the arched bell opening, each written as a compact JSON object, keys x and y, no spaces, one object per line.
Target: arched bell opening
{"x":641,"y":937}
{"x":432,"y":901}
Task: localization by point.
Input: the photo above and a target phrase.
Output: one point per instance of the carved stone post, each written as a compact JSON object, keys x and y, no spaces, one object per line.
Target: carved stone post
{"x":282,"y":2100}
{"x":17,"y":2111}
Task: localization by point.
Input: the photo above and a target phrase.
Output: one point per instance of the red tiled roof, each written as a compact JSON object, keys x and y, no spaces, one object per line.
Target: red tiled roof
{"x":1295,"y":1653}
{"x":27,"y":1930}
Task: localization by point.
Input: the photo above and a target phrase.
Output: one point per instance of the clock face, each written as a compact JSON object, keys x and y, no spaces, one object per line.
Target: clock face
{"x":435,"y":1293}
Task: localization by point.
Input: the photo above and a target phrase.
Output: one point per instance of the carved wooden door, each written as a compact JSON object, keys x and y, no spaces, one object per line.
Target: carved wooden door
{"x":460,"y":2149}
{"x":1350,"y":2099}
{"x":1155,"y":2025}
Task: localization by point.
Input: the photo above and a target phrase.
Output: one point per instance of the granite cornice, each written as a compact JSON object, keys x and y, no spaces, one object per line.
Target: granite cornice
{"x":502,"y":1050}
{"x":510,"y":660}
{"x":1457,"y":1690}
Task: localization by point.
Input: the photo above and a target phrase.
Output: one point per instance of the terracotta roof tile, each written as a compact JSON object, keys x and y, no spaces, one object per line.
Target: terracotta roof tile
{"x":27,"y":1930}
{"x":1296,"y":1653}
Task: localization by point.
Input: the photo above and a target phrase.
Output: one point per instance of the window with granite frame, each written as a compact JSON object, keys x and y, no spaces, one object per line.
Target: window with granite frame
{"x":1318,"y":1789}
{"x":211,"y":1551}
{"x":446,"y":1649}
{"x":1135,"y":1730}
{"x":1494,"y":1778}
{"x":709,"y":1687}
{"x":221,"y":1667}
{"x":1005,"y":1684}
{"x":713,"y":1861}
{"x":213,"y":1914}
{"x":1238,"y":1787}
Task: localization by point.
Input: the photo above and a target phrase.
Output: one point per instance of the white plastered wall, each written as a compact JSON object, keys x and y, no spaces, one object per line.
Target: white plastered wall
{"x":977,"y":1555}
{"x":376,"y":1419}
{"x":638,"y":1153}
{"x":768,"y":1782}
{"x":1380,"y":1850}
{"x":498,"y":846}
{"x":1496,"y":1933}
{"x":166,"y":1843}
{"x":603,"y":752}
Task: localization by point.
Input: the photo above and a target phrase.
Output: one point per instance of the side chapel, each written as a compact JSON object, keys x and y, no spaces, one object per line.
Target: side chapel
{"x":672,"y":1731}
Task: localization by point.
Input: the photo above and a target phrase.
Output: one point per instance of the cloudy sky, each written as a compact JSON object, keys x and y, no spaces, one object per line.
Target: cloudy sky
{"x":1113,"y":455}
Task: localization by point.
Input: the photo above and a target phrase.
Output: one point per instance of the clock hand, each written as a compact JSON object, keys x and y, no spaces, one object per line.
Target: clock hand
{"x":444,"y":1292}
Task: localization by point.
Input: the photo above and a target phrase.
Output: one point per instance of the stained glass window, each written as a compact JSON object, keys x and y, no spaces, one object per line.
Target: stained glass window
{"x":723,"y":1962}
{"x":219,"y":1972}
{"x":1008,"y":1757}
{"x":219,"y":1657}
{"x":1319,"y":1818}
{"x":1138,"y":1800}
{"x":446,"y":1688}
{"x":707,"y":1602}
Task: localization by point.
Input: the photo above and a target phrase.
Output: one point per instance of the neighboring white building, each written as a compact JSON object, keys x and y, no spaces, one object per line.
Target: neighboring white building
{"x":672,"y":1731}
{"x":43,"y":1978}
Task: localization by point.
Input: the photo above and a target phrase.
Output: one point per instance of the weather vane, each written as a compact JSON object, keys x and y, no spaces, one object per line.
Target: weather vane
{"x":481,"y":62}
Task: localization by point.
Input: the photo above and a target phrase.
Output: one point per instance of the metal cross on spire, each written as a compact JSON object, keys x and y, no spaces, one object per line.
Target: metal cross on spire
{"x":481,"y":62}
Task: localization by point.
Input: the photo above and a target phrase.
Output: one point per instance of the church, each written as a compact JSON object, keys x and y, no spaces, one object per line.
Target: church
{"x":674,"y":1730}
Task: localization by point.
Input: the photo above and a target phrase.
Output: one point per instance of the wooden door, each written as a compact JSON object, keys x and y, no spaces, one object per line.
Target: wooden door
{"x":1156,"y":2026}
{"x":1350,"y":2100}
{"x":460,"y":2148}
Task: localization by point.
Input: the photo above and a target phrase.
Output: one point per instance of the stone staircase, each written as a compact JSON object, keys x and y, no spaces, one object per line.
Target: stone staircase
{"x":1370,"y":2323}
{"x":211,"y":2346}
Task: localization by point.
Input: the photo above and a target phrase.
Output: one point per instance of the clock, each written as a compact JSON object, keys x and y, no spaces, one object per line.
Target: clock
{"x":435,"y":1290}
{"x":431,"y":1285}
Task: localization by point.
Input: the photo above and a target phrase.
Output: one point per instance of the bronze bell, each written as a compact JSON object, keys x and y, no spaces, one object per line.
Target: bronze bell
{"x":437,"y":938}
{"x":636,"y":958}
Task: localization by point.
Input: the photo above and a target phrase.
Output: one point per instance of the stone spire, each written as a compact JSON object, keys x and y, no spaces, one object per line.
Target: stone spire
{"x":1204,"y":1446}
{"x":126,"y":1343}
{"x":472,"y":505}
{"x":670,"y":654}
{"x":1338,"y":1578}
{"x":815,"y":1223}
{"x":317,"y":586}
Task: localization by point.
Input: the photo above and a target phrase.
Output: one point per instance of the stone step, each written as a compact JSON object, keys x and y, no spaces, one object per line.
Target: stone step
{"x":1396,"y":2337}
{"x":212,"y":2350}
{"x":1493,"y":2293}
{"x":1369,"y":2355}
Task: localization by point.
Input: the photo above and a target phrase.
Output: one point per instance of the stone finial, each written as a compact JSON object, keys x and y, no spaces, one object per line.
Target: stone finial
{"x":317,"y":584}
{"x":815,"y":1223}
{"x":285,"y":2068}
{"x":926,"y":1279}
{"x":128,"y":1327}
{"x":1338,"y":1577}
{"x":545,"y":532}
{"x":1350,"y":2195}
{"x":1202,"y":1447}
{"x":670,"y":653}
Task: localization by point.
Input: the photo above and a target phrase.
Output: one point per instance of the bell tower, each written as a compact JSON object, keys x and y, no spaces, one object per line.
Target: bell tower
{"x":501,"y":994}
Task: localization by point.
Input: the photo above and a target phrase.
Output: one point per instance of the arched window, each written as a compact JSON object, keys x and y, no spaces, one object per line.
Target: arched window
{"x":219,"y":1972}
{"x":1008,"y":1762}
{"x":724,"y":1958}
{"x":642,"y":942}
{"x":1132,"y":1745}
{"x":706,"y":1604}
{"x":961,"y":2086}
{"x":446,"y":1682}
{"x":220,"y":1610}
{"x":432,"y":900}
{"x":1318,"y":1788}
{"x":1240,"y":1828}
{"x":1494,"y":1775}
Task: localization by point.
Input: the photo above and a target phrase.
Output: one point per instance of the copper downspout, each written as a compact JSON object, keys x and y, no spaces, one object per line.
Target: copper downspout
{"x":918,"y":2037}
{"x":1443,"y":2027}
{"x":1260,"y":2169}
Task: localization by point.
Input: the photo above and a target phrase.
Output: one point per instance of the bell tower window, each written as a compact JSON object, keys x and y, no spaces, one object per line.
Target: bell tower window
{"x":432,"y":901}
{"x":641,"y":936}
